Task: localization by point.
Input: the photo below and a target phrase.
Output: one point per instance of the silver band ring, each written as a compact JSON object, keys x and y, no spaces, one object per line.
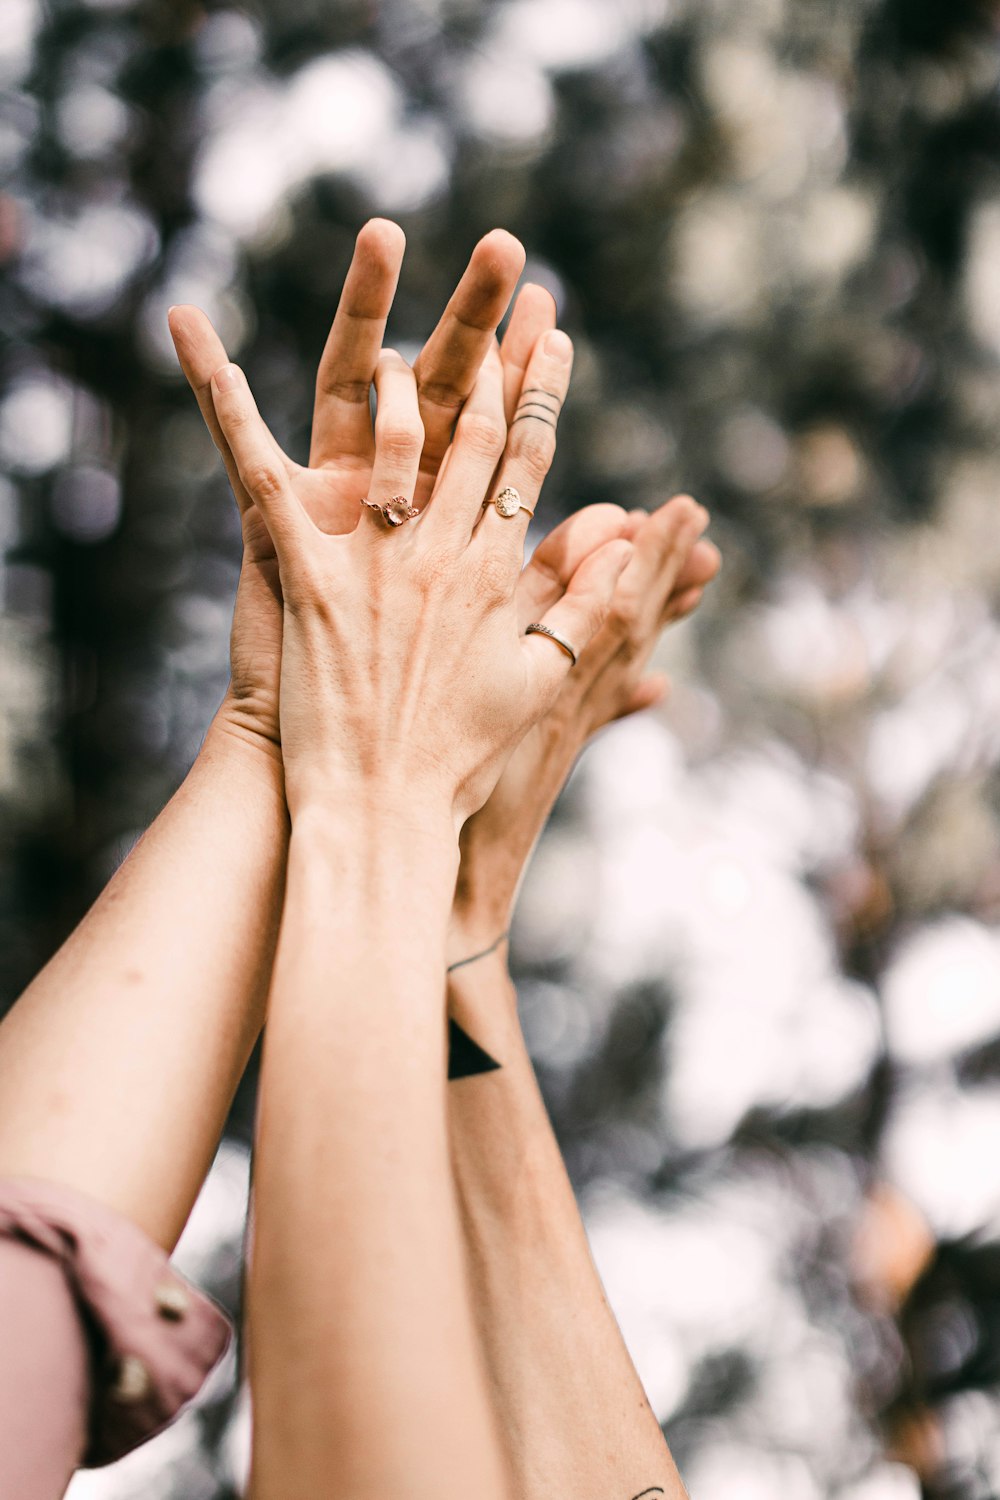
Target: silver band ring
{"x":508,"y":502}
{"x":393,"y":511}
{"x":561,"y":642}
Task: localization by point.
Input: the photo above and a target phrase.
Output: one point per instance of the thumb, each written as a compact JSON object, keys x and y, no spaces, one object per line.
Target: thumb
{"x":200,"y":352}
{"x":648,"y":693}
{"x":575,"y":618}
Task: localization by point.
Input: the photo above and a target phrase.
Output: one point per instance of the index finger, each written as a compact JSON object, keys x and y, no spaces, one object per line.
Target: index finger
{"x":450,"y":361}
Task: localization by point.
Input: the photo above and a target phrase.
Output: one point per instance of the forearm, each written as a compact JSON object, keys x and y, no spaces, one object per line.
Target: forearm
{"x":569,"y":1401}
{"x":365,"y":1372}
{"x":119,"y":1062}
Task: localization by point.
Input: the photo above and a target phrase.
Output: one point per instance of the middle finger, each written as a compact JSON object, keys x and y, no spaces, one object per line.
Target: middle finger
{"x":449,"y":363}
{"x":341,"y":415}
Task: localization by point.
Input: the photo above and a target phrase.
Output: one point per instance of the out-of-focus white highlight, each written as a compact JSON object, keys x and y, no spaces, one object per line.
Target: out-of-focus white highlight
{"x":83,"y":262}
{"x":941,"y":991}
{"x":339,"y":113}
{"x":563,"y":34}
{"x":36,"y":425}
{"x":940,"y":1147}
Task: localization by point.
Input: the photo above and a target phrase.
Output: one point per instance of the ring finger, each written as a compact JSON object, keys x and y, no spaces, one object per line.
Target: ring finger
{"x":399,"y":435}
{"x":531,"y":441}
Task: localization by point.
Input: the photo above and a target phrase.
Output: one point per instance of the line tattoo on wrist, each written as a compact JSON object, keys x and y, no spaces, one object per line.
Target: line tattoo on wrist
{"x":653,"y":1490}
{"x":475,"y":957}
{"x":466,"y":1057}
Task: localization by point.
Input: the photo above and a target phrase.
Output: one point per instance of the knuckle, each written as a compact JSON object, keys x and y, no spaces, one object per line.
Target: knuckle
{"x":262,"y":479}
{"x":441,"y":393}
{"x":236,"y":418}
{"x":400,"y":441}
{"x":483,"y":434}
{"x":623,"y":613}
{"x":353,"y":392}
{"x":535,"y":448}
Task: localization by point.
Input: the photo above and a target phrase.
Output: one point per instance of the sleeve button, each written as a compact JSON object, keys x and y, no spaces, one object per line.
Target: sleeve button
{"x":132,"y":1383}
{"x":172,"y":1301}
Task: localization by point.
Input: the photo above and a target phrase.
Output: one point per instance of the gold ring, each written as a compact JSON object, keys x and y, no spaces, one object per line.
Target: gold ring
{"x":393,"y":511}
{"x":508,"y":502}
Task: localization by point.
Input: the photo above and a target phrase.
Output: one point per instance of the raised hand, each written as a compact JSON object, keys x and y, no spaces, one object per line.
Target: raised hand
{"x":663,"y":582}
{"x":405,"y":673}
{"x":343,"y":441}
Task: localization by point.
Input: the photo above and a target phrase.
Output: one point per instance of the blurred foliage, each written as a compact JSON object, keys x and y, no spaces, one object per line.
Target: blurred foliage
{"x":760,"y":954}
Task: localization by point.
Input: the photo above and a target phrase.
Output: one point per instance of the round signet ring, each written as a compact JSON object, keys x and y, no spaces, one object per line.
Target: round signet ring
{"x":508,"y":502}
{"x":393,"y":511}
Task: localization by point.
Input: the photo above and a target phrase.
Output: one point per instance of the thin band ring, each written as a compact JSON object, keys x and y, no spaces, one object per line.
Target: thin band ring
{"x":393,"y":511}
{"x":561,"y":642}
{"x":508,"y":502}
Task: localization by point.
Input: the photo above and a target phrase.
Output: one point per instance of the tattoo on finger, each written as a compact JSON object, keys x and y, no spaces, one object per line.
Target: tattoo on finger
{"x":532,"y":405}
{"x":523,"y":416}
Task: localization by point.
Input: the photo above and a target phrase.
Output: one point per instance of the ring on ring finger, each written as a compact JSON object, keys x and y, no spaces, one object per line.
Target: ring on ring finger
{"x":508,"y":502}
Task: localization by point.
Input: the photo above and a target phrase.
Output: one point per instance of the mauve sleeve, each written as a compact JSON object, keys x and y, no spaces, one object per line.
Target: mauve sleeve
{"x":101,"y":1342}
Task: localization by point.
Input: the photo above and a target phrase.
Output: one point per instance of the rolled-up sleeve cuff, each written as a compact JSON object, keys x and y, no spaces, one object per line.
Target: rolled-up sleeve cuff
{"x":153,"y":1338}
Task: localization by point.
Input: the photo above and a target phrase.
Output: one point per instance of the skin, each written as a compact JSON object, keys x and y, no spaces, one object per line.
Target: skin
{"x":507,"y":1166}
{"x":358,"y":1269}
{"x":572,"y":1410}
{"x":342,"y":447}
{"x":127,"y":1025}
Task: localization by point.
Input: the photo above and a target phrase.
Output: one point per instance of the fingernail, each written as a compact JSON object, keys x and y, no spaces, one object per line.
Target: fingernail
{"x":558,"y":345}
{"x":227,"y":378}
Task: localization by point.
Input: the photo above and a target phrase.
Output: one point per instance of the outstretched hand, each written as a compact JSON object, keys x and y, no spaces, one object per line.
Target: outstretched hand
{"x":406,"y":678}
{"x":342,"y":450}
{"x":662,"y":583}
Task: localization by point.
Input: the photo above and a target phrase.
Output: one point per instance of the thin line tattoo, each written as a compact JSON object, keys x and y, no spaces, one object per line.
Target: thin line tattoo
{"x":523,"y":416}
{"x":653,"y":1490}
{"x":475,"y":957}
{"x":539,"y":390}
{"x":540,"y":406}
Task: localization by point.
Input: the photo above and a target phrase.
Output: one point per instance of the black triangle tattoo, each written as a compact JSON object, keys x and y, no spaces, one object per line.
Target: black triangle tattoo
{"x":466,"y":1057}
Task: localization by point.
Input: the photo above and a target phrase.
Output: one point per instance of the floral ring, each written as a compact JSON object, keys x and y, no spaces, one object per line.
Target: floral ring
{"x":393,"y":511}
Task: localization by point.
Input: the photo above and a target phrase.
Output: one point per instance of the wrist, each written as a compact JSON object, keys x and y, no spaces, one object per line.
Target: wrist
{"x":473,"y":930}
{"x":239,"y":722}
{"x":239,"y":752}
{"x":385,"y":804}
{"x":375,"y":833}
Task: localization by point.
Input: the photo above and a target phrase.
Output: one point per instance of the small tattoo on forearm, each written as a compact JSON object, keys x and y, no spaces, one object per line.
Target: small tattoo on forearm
{"x":653,"y":1490}
{"x":465,"y":1057}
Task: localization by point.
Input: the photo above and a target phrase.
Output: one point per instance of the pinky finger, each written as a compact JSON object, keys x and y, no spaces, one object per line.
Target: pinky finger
{"x":571,"y":623}
{"x":259,"y":461}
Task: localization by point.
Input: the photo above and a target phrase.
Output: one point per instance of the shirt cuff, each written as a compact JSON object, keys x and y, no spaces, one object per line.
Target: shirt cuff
{"x":153,"y":1338}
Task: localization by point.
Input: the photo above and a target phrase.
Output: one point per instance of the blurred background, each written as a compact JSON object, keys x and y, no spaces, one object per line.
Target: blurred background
{"x":759,"y":953}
